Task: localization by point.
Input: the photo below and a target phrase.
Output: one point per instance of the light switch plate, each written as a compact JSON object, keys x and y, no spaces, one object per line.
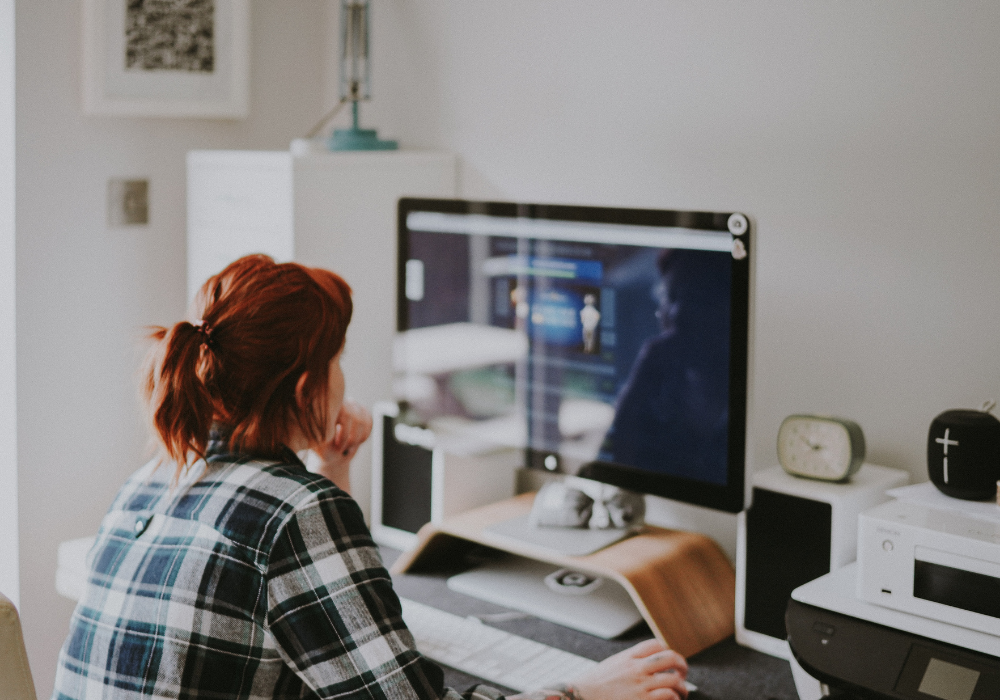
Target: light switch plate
{"x":128,"y":202}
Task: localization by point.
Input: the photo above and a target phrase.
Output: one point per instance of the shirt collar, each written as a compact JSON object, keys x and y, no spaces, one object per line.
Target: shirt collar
{"x":218,"y":450}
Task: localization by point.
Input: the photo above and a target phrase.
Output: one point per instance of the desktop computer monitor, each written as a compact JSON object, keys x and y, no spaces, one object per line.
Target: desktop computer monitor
{"x":607,"y":343}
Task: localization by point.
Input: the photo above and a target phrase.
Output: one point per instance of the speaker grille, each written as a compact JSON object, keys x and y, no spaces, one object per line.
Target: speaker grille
{"x":788,"y":544}
{"x":406,"y":482}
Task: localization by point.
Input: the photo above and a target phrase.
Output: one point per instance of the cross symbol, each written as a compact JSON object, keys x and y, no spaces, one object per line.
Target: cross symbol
{"x":945,"y":441}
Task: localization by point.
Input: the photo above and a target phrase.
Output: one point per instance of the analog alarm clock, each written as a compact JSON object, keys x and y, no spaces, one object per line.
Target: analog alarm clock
{"x":820,"y":447}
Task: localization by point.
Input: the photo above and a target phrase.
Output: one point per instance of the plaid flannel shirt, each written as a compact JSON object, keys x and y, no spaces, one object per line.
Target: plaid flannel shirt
{"x":257,"y":580}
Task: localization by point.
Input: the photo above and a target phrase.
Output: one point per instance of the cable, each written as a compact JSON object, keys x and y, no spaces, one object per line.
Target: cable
{"x":327,"y":117}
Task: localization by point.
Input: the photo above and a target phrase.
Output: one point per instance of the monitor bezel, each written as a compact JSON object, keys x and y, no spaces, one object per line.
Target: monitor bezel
{"x":730,"y":497}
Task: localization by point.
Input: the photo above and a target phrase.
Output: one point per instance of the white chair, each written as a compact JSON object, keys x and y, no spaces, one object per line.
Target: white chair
{"x":15,"y":676}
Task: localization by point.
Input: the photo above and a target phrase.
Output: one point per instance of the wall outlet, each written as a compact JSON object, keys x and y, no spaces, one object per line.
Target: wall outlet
{"x":128,"y":202}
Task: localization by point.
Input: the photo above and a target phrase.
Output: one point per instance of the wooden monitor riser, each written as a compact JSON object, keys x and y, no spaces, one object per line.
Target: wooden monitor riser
{"x":681,"y":582}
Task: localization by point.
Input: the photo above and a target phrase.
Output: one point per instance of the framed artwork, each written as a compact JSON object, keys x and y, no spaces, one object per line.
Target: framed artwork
{"x":166,"y":58}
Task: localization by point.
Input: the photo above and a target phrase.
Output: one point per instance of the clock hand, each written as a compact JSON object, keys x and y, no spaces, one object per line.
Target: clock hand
{"x":811,"y":445}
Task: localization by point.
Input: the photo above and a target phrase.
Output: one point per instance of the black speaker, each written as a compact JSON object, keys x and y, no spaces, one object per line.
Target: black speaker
{"x":406,"y":481}
{"x":421,"y":475}
{"x":963,"y":454}
{"x":796,"y":530}
{"x":782,"y":557}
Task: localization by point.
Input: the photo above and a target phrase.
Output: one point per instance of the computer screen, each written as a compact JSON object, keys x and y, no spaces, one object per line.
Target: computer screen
{"x":608,"y":343}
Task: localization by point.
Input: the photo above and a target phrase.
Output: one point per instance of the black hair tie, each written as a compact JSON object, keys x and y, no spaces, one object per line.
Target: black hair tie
{"x":206,"y":331}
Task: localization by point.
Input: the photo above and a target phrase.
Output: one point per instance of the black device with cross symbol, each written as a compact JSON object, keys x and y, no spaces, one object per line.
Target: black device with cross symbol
{"x":963,"y":454}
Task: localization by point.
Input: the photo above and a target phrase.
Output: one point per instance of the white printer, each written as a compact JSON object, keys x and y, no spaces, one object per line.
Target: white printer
{"x":861,"y":650}
{"x":918,"y":615}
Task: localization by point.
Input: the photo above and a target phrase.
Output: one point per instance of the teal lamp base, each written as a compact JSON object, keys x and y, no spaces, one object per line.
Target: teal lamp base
{"x":359,"y":140}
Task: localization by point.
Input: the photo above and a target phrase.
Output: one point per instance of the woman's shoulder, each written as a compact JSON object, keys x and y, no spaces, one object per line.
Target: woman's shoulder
{"x":281,"y":479}
{"x":304,"y":492}
{"x":299,"y":488}
{"x":265,"y":489}
{"x":145,"y":487}
{"x":246,"y":499}
{"x":301,"y":509}
{"x":285,"y":478}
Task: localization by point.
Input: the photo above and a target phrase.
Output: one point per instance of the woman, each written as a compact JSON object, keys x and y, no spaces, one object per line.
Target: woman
{"x":224,"y":569}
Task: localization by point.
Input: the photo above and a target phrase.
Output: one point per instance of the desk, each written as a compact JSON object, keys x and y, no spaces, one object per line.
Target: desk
{"x":725,"y":671}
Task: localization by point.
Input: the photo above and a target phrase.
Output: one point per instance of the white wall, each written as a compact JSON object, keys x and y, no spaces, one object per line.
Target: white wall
{"x":85,"y":292}
{"x":864,"y":138}
{"x":8,"y":401}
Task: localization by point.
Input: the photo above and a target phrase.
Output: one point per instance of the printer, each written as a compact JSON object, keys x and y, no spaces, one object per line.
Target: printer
{"x":918,"y":616}
{"x":861,"y":650}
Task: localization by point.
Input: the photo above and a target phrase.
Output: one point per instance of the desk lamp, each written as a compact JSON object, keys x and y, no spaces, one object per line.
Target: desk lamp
{"x":355,"y":80}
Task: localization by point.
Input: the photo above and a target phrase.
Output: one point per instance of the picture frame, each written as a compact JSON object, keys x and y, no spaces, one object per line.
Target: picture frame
{"x":166,"y":58}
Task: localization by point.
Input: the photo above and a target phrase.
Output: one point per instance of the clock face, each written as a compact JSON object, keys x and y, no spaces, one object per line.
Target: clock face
{"x":820,"y":448}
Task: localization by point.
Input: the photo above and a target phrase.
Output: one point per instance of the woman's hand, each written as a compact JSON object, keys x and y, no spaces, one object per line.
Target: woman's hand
{"x":353,"y":426}
{"x":647,"y":671}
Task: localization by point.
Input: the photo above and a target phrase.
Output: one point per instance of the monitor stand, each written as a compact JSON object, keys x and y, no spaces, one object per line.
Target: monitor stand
{"x":680,"y":582}
{"x":591,"y":604}
{"x":600,"y":606}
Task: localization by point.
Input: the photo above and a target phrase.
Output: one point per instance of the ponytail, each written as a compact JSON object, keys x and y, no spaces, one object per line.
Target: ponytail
{"x":177,"y":389}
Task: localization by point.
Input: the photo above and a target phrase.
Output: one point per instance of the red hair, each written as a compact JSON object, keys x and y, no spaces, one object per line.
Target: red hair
{"x":262,"y":327}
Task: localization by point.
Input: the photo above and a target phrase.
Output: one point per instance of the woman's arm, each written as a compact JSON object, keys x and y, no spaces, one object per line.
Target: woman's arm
{"x":332,"y":612}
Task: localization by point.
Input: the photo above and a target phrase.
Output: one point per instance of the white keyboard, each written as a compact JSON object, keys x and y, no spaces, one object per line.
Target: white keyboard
{"x":467,"y":644}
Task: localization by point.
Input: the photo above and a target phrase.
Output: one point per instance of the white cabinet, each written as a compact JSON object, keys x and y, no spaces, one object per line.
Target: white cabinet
{"x":333,"y":210}
{"x":238,"y":202}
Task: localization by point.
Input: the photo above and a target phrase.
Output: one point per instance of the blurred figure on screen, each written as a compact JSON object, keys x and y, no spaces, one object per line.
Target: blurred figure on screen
{"x":589,"y":318}
{"x":672,"y":413}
